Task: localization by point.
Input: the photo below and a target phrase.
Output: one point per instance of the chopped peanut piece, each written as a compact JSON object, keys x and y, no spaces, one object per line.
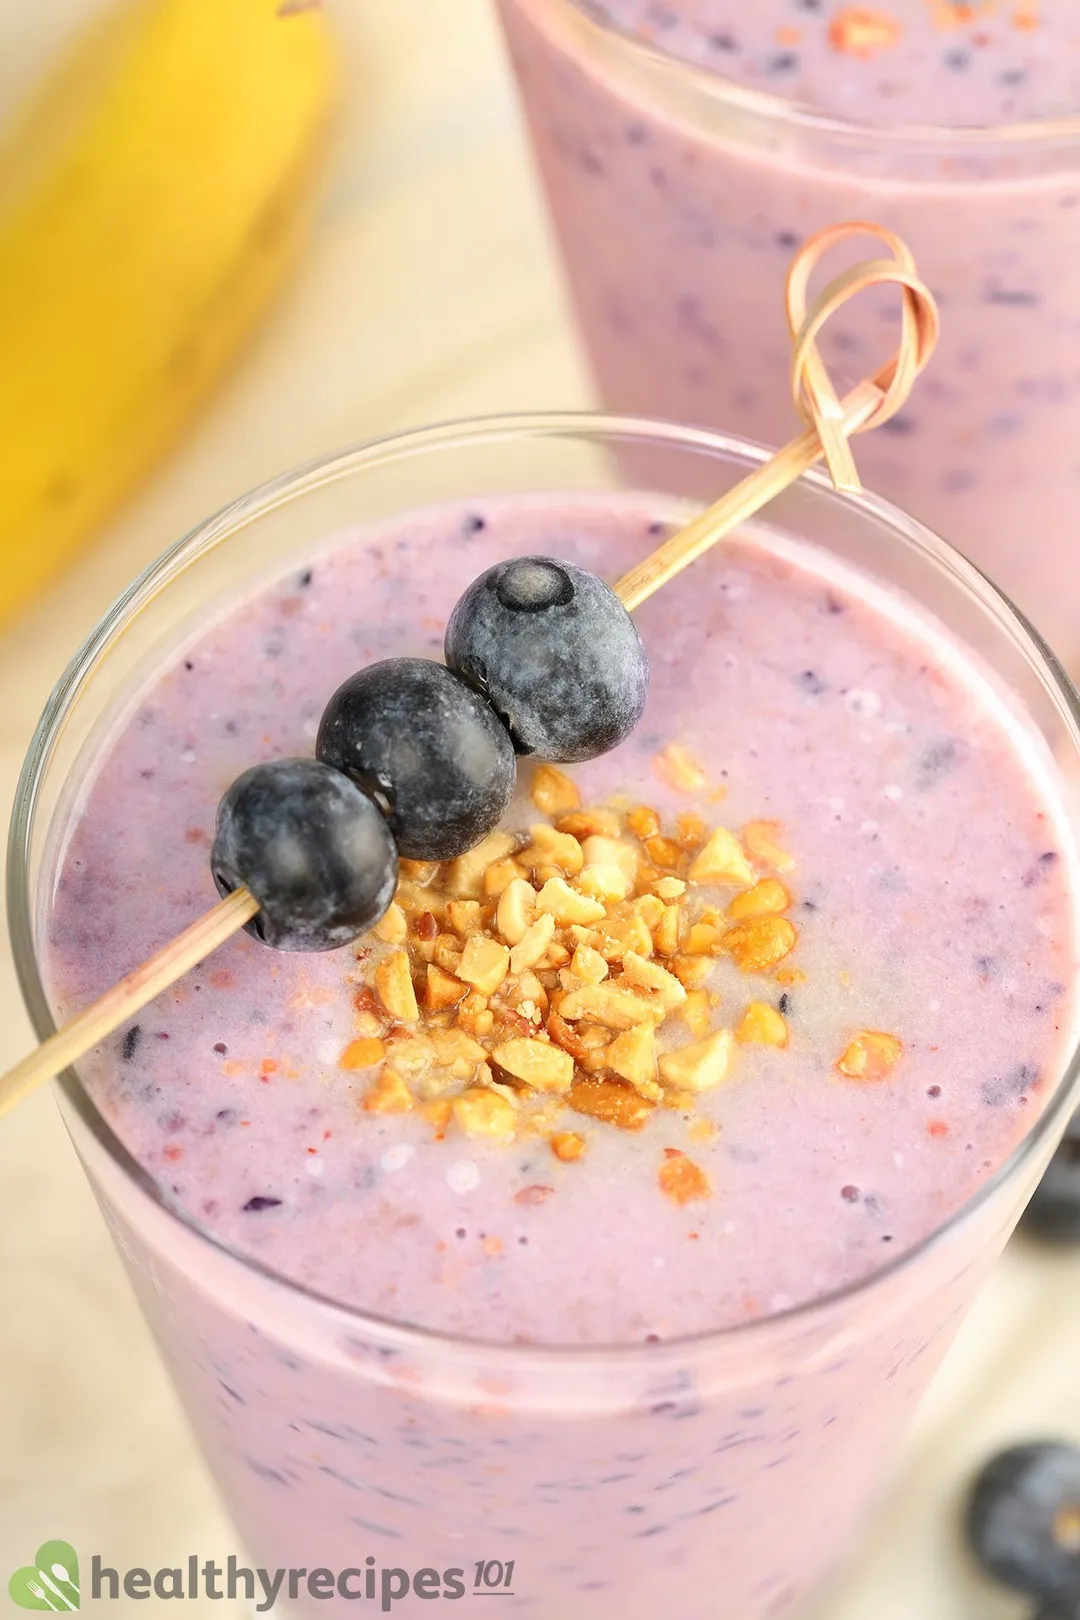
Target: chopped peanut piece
{"x":515,"y":912}
{"x":702,"y":940}
{"x":474,"y":1016}
{"x":558,"y":899}
{"x":623,"y":934}
{"x":667,"y":931}
{"x":465,"y":876}
{"x":610,"y":1005}
{"x":872,"y":1055}
{"x":362,"y":1054}
{"x":605,"y":882}
{"x":696,"y":1013}
{"x":651,"y":976}
{"x":610,"y":1101}
{"x":701,"y":1066}
{"x":702,"y":1130}
{"x":650,"y":908}
{"x":421,"y":872}
{"x":691,"y":971}
{"x":388,"y":1095}
{"x":438,"y":1112}
{"x":764,"y":899}
{"x":442,"y":989}
{"x":790,"y":976}
{"x":393,"y":981}
{"x":368,"y":1024}
{"x":540,"y":1064}
{"x":762,"y":1025}
{"x":484,"y":964}
{"x":485,"y":1113}
{"x":862,"y":33}
{"x":600,"y":851}
{"x":409,"y":1053}
{"x":552,"y":848}
{"x":677,"y":766}
{"x":446,"y":953}
{"x":567,"y":1146}
{"x":534,"y":944}
{"x":588,"y":965}
{"x":670,"y":888}
{"x":632,"y":1056}
{"x":691,"y":830}
{"x":643,"y":822}
{"x":553,"y":792}
{"x":664,"y":852}
{"x":681,"y":1179}
{"x":454,"y":1046}
{"x":463,"y":916}
{"x":498,"y":875}
{"x":393,"y":929}
{"x":760,"y":942}
{"x":761,"y":839}
{"x":594,"y":823}
{"x":722,"y":860}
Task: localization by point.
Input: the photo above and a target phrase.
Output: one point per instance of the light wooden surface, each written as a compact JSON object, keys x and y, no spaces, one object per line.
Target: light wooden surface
{"x":429,"y":292}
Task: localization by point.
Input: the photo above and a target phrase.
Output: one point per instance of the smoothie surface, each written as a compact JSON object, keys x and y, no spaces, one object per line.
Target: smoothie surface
{"x":929,"y":889}
{"x":926,"y":62}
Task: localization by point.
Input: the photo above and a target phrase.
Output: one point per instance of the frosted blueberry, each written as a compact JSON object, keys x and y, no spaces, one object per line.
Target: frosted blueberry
{"x":313,"y":850}
{"x":556,"y":655}
{"x":427,"y":749}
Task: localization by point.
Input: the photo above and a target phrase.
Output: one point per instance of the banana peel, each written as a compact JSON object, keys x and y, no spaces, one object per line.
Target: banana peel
{"x":151,"y":199}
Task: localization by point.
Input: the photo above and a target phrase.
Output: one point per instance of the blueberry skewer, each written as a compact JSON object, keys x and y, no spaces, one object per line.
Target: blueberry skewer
{"x":537,"y":651}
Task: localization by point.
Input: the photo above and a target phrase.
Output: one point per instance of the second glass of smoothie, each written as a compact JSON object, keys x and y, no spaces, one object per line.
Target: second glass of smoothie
{"x":688,"y":147}
{"x":650,"y":1352}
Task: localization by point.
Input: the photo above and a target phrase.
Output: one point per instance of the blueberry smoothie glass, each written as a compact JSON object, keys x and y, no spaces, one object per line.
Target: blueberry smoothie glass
{"x":687,"y":147}
{"x":422,"y":1368}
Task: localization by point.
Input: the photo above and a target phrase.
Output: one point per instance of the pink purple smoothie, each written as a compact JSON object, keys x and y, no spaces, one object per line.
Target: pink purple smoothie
{"x":932,"y":899}
{"x":678,"y":210}
{"x":930,"y":903}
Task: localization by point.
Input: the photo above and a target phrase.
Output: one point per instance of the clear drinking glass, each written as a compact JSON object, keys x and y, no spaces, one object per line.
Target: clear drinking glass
{"x":336,"y":1436}
{"x":678,"y":199}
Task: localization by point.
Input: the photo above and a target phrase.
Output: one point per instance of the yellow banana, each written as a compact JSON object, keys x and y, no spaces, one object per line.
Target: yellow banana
{"x":150,"y":199}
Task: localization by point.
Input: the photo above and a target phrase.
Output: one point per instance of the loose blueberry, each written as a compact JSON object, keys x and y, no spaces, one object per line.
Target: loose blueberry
{"x":555,"y":653}
{"x":427,"y":749}
{"x":1066,"y":1608}
{"x":312,"y":848}
{"x":1023,"y":1518}
{"x":1054,"y":1211}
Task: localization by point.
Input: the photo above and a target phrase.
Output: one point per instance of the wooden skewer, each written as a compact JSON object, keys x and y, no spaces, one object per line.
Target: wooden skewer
{"x":832,"y":422}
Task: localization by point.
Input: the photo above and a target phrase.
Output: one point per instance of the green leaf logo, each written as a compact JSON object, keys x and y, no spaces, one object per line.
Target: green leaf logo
{"x":50,"y":1582}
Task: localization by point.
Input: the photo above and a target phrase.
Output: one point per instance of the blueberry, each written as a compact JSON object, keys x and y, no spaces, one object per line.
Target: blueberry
{"x":312,"y":848}
{"x":427,"y":749}
{"x":1065,"y":1608}
{"x":555,"y":653}
{"x":1023,"y":1518}
{"x":1054,"y":1211}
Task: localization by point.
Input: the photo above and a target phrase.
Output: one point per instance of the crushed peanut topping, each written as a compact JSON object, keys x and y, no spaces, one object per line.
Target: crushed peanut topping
{"x":762,"y":1025}
{"x":872,"y":1055}
{"x":681,"y":1179}
{"x":553,"y":792}
{"x":860,"y":32}
{"x":566,"y":971}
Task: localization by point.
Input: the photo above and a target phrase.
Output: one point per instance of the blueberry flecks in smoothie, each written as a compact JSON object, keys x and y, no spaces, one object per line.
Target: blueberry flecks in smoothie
{"x":915,"y":61}
{"x":729,"y":641}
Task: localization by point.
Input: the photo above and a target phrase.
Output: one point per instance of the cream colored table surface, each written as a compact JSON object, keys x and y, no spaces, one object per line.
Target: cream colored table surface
{"x":429,"y":292}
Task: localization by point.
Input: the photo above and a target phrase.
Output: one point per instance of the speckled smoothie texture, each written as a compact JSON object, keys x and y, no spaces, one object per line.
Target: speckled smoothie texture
{"x":678,"y":212}
{"x":932,"y":897}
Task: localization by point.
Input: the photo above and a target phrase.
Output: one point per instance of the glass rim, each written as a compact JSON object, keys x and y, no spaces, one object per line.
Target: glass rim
{"x":768,"y":104}
{"x":472,"y":432}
